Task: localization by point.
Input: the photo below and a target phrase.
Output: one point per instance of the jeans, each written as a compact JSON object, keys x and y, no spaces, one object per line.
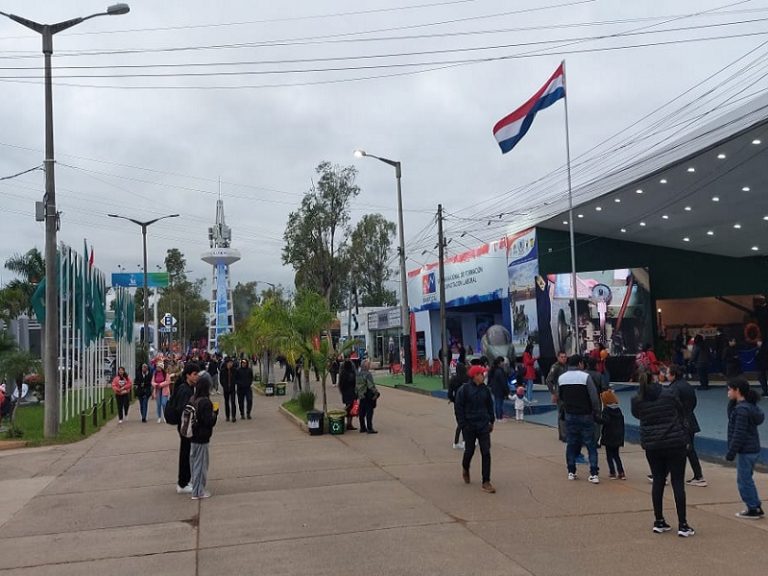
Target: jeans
{"x":245,"y":401}
{"x":161,"y":402}
{"x":484,"y":440}
{"x":365,"y":414}
{"x":580,"y":430}
{"x":614,"y":460}
{"x":745,"y":466}
{"x":229,"y":403}
{"x":693,"y":458}
{"x":123,"y":400}
{"x":663,"y":462}
{"x":185,"y":474}
{"x":198,"y":463}
{"x":529,"y":390}
{"x":143,"y":406}
{"x":498,"y":407}
{"x":703,"y":372}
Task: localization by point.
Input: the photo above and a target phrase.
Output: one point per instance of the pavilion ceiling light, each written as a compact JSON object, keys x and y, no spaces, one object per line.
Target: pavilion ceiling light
{"x":765,"y":218}
{"x":715,"y":198}
{"x":688,"y":208}
{"x":639,"y":190}
{"x":710,"y":233}
{"x":686,"y":239}
{"x":691,"y":169}
{"x":755,"y":248}
{"x":598,"y":208}
{"x":757,"y":141}
{"x":642,"y":223}
{"x":721,"y":156}
{"x":737,"y":226}
{"x":745,"y":189}
{"x":617,"y":200}
{"x":623,"y":230}
{"x":665,"y":216}
{"x":580,"y":215}
{"x":663,"y":181}
{"x":565,"y":222}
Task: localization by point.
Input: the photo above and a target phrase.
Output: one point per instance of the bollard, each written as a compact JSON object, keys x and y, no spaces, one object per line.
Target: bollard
{"x":82,"y":423}
{"x":95,"y":415}
{"x":104,"y":410}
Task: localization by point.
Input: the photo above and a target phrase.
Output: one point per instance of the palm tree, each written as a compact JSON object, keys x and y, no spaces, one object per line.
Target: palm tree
{"x":30,"y":268}
{"x":15,"y":364}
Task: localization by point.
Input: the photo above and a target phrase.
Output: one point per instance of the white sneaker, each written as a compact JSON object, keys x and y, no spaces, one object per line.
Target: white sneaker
{"x":203,"y":495}
{"x":119,"y":421}
{"x":697,"y":482}
{"x":186,"y":490}
{"x":459,"y":446}
{"x":159,"y":420}
{"x":594,"y":479}
{"x":572,"y":476}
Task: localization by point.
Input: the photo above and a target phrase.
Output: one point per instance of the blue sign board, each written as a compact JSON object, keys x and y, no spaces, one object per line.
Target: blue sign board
{"x":136,"y":279}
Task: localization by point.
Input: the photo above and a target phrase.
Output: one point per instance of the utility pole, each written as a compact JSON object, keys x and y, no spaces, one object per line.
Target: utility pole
{"x":443,"y":335}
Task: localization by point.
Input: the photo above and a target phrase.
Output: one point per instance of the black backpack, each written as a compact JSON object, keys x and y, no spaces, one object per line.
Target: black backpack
{"x":176,"y":403}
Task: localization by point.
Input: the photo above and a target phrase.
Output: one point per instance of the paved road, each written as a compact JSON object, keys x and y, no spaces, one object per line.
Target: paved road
{"x":392,"y":504}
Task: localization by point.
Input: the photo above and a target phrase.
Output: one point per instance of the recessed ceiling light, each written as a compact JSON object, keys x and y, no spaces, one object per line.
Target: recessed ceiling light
{"x":598,"y":208}
{"x":757,"y":141}
{"x":642,"y":223}
{"x":663,"y":181}
{"x":623,"y":230}
{"x":765,"y":217}
{"x":737,"y":226}
{"x":580,"y":215}
{"x":755,"y":248}
{"x":710,"y":233}
{"x":639,"y":190}
{"x":745,"y":189}
{"x":715,"y":198}
{"x":721,"y":156}
{"x":686,"y":239}
{"x":565,"y":222}
{"x":688,"y":208}
{"x":691,"y":169}
{"x":617,"y":200}
{"x":665,"y":216}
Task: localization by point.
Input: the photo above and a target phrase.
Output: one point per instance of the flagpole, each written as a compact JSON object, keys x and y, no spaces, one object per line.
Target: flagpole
{"x":574,"y":287}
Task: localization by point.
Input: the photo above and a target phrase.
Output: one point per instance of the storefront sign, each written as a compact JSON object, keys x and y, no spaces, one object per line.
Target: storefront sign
{"x":384,"y":319}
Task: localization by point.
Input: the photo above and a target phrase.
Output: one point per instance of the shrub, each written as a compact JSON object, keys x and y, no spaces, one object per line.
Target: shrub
{"x":307,"y":401}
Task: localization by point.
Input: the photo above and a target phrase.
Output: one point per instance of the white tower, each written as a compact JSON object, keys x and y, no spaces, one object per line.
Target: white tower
{"x":221,"y":318}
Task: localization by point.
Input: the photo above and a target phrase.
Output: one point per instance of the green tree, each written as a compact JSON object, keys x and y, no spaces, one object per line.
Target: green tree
{"x":176,"y":266}
{"x":30,"y":269}
{"x":244,"y":298}
{"x":370,"y":253}
{"x":183,"y":299}
{"x":316,"y":234}
{"x":15,"y":364}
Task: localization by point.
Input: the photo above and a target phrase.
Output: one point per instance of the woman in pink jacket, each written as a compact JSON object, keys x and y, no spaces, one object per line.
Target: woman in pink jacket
{"x":121,"y":384}
{"x":161,"y":389}
{"x":529,"y":363}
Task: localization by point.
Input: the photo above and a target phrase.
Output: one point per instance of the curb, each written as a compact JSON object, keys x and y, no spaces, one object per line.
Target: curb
{"x":298,"y":422}
{"x":12,"y":444}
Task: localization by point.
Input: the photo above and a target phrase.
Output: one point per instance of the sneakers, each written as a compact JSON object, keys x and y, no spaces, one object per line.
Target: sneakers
{"x":650,"y":479}
{"x":488,"y":487}
{"x":697,"y":482}
{"x":185,"y":490}
{"x":684,"y":531}
{"x":202,"y":496}
{"x":661,"y":526}
{"x":459,"y":446}
{"x":159,"y":420}
{"x":120,"y":421}
{"x":622,"y":476}
{"x":751,"y":514}
{"x":612,"y":476}
{"x":594,"y":479}
{"x":465,"y":475}
{"x":572,"y":476}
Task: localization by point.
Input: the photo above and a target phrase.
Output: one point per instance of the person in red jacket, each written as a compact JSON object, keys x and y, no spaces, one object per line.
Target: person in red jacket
{"x":121,"y":384}
{"x":529,"y":363}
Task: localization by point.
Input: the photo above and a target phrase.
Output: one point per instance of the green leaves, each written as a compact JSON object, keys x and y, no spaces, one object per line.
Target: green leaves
{"x":370,"y":252}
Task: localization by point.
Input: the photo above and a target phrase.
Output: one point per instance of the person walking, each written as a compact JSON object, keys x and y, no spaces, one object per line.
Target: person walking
{"x":744,"y":416}
{"x":581,"y":406}
{"x":227,"y":381}
{"x":243,"y":381}
{"x":529,"y":365}
{"x":214,"y":364}
{"x":731,"y":360}
{"x":367,"y":395}
{"x":664,"y":438}
{"x":161,"y":389}
{"x":334,"y":370}
{"x":143,"y":389}
{"x":121,"y":386}
{"x":347,"y":388}
{"x":497,"y":381}
{"x":551,"y":381}
{"x":473,"y":408}
{"x":687,"y":396}
{"x":700,"y":358}
{"x":612,"y":434}
{"x":205,"y":419}
{"x":456,"y":382}
{"x":186,"y":389}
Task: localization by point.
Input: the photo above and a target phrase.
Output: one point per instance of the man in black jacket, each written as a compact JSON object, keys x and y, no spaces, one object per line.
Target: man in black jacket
{"x":186,"y":390}
{"x":227,"y":380}
{"x":243,"y":381}
{"x":474,"y":415}
{"x":687,"y":396}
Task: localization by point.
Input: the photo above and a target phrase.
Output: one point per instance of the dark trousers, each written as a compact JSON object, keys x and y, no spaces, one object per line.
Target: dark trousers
{"x":762,"y":377}
{"x":229,"y":403}
{"x":123,"y":400}
{"x":245,"y":401}
{"x":457,"y":435}
{"x":143,"y":406}
{"x":703,"y":372}
{"x":334,"y":376}
{"x":672,"y":462}
{"x":185,"y":474}
{"x":365,"y":414}
{"x":693,"y":458}
{"x":484,"y":440}
{"x":614,"y":460}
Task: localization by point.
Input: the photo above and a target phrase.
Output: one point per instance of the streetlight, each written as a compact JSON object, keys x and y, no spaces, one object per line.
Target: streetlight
{"x":405,"y":318}
{"x":144,"y":226}
{"x":50,"y":353}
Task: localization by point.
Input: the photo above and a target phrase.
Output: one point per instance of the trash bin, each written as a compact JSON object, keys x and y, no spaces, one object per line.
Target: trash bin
{"x":269,"y":389}
{"x":280,"y":389}
{"x":315,"y":422}
{"x":336,"y":421}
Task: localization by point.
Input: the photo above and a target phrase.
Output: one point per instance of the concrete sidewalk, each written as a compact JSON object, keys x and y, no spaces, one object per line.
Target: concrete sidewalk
{"x":285,"y":503}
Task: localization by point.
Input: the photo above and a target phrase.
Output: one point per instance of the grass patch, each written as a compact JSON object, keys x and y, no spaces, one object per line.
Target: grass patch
{"x":295,"y":408}
{"x":30,"y":420}
{"x":430,"y":383}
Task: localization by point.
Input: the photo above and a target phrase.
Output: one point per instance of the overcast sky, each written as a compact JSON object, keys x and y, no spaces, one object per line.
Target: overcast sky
{"x":148,"y":152}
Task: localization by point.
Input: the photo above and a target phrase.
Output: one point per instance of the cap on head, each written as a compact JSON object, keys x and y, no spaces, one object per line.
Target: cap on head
{"x":475,"y":370}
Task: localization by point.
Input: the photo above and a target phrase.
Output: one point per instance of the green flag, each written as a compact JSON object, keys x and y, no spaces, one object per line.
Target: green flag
{"x":38,"y":302}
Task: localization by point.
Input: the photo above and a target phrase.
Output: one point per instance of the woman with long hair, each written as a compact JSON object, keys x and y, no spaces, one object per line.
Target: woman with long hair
{"x":665,"y":440}
{"x":347,"y":384}
{"x":121,"y":385}
{"x":529,"y":363}
{"x":161,"y":389}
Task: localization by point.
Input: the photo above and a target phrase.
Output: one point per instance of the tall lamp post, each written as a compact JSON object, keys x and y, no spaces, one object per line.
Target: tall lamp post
{"x":51,"y":329}
{"x":144,"y":226}
{"x":405,"y":317}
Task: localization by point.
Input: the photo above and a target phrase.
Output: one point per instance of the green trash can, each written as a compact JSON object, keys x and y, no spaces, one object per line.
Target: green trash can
{"x":280,"y":389}
{"x":337,"y":421}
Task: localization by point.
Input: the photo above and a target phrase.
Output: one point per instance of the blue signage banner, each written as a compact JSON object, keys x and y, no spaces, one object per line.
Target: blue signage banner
{"x":136,"y":279}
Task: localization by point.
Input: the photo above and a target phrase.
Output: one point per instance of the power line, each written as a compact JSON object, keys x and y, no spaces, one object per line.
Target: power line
{"x":21,"y":173}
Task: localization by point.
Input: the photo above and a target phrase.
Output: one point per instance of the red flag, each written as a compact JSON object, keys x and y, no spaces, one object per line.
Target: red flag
{"x":90,"y":260}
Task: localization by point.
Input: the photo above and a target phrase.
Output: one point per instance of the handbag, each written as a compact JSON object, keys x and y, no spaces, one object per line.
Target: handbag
{"x":354,"y":410}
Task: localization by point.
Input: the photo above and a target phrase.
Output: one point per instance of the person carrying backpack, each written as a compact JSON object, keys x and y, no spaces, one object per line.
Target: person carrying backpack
{"x":182,"y":394}
{"x":202,"y":430}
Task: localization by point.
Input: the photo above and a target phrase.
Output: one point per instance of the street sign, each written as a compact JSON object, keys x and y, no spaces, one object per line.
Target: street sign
{"x":136,"y":279}
{"x":168,"y":330}
{"x":168,"y":320}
